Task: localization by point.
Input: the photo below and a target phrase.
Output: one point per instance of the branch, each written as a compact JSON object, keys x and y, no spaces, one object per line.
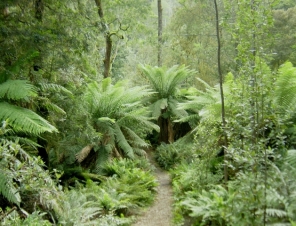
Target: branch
{"x":9,"y":212}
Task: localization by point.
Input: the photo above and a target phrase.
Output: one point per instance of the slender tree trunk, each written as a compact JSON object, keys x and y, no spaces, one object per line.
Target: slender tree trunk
{"x":221,"y":91}
{"x":107,"y":60}
{"x":159,"y":51}
{"x":108,"y":40}
{"x":39,"y":7}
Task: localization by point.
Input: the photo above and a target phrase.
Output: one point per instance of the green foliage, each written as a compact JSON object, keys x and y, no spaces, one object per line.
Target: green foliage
{"x":17,"y":90}
{"x":8,"y":190}
{"x":170,"y":155}
{"x":116,"y":110}
{"x":34,"y":219}
{"x":24,"y":120}
{"x":127,"y":188}
{"x":12,"y":92}
{"x":138,"y":185}
{"x":165,"y":82}
{"x":285,"y":88}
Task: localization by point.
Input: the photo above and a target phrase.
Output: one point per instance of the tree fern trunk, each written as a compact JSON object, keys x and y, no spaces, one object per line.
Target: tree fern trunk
{"x":166,"y":133}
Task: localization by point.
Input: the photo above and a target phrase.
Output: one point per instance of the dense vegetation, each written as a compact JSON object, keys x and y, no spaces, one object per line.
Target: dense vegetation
{"x":81,"y":102}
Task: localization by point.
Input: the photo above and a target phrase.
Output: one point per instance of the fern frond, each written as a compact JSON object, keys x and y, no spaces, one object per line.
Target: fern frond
{"x":137,"y":118}
{"x":276,"y":212}
{"x":133,"y":138}
{"x":157,"y":106}
{"x":173,"y":107}
{"x":194,"y":118}
{"x":286,"y":87}
{"x":122,"y":142}
{"x":17,"y":90}
{"x":53,"y":88}
{"x":51,"y":106}
{"x":291,"y":157}
{"x":8,"y":190}
{"x":23,"y":141}
{"x":24,"y":120}
{"x":106,"y":84}
{"x":140,"y":152}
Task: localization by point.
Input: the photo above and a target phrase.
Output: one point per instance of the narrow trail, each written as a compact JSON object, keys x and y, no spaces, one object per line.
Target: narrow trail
{"x":160,"y":213}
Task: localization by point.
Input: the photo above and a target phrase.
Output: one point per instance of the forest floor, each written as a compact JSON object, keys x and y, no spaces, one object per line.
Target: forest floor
{"x":160,"y":213}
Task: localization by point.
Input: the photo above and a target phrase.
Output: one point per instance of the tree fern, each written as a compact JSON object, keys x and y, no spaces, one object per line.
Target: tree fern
{"x":118,"y":113}
{"x":163,"y":102}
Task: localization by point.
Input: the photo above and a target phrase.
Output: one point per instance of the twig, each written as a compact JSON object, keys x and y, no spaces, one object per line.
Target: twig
{"x":6,"y":214}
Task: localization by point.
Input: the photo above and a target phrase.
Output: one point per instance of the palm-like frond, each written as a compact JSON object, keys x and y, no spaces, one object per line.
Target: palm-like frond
{"x":291,"y":157}
{"x":53,"y":87}
{"x":50,"y":106}
{"x":133,"y":138}
{"x":17,"y":90}
{"x":24,"y":120}
{"x":165,"y":81}
{"x":158,"y":106}
{"x":285,"y":88}
{"x":122,"y":142}
{"x":173,"y":108}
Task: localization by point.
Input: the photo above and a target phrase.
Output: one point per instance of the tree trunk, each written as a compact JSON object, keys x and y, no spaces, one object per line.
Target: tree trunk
{"x":221,"y":92}
{"x":159,"y":51}
{"x":107,"y":60}
{"x":166,"y":133}
{"x":108,"y":40}
{"x":39,"y":7}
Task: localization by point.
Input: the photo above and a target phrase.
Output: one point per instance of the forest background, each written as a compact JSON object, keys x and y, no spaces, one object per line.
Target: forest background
{"x":86,"y":87}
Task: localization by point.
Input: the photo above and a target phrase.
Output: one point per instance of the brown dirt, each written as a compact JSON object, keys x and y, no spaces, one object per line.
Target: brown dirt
{"x":160,"y":213}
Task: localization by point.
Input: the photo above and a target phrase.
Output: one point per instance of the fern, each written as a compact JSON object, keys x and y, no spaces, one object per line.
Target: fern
{"x":116,"y":111}
{"x":17,"y":90}
{"x":122,"y":142}
{"x":158,"y":106}
{"x":53,"y":88}
{"x":8,"y":190}
{"x":24,"y":120}
{"x":291,"y":157}
{"x":286,"y":88}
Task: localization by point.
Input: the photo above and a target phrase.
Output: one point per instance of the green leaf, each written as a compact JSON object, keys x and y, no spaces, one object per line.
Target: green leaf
{"x":24,"y":120}
{"x":17,"y":90}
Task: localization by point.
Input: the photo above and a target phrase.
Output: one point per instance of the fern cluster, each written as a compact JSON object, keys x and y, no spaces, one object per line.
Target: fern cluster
{"x":116,"y":110}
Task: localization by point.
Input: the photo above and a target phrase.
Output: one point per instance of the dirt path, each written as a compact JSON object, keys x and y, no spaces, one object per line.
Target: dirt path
{"x":160,"y":213}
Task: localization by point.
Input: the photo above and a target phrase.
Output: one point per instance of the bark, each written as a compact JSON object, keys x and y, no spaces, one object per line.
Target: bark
{"x":39,"y":7}
{"x":108,"y":40}
{"x":107,"y":60}
{"x":221,"y":91}
{"x":166,"y":133}
{"x":159,"y":51}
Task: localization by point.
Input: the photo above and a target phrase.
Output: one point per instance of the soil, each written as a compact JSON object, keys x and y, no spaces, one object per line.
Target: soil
{"x":160,"y":213}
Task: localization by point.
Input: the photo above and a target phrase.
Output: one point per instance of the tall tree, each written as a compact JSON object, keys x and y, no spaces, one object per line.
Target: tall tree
{"x":117,"y":18}
{"x":108,"y":41}
{"x":159,"y":51}
{"x":221,"y":90}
